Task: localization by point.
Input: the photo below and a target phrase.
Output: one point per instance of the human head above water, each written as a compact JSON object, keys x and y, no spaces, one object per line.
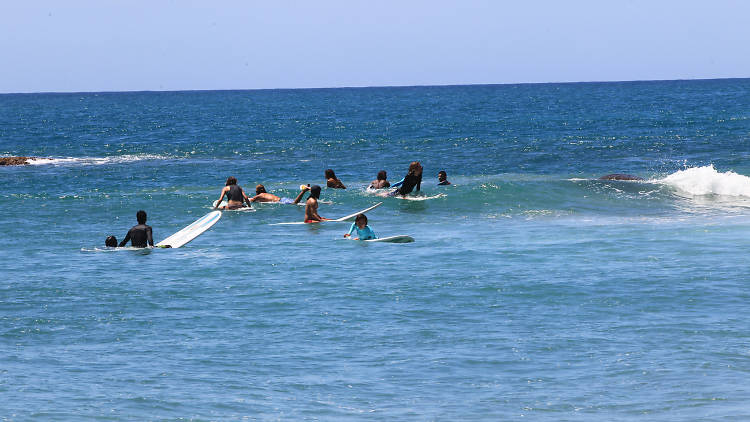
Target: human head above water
{"x":315,"y":191}
{"x":360,"y":220}
{"x":260,"y":189}
{"x":231,"y":180}
{"x":110,"y":242}
{"x":415,"y":168}
{"x":330,"y":174}
{"x":442,"y":175}
{"x":382,"y":175}
{"x":141,"y":217}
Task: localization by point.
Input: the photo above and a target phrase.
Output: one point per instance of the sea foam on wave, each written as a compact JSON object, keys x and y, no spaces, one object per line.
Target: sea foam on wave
{"x":707,"y":181}
{"x":93,"y":161}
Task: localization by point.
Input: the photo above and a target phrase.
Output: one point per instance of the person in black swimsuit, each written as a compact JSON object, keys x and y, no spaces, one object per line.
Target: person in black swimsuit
{"x":140,"y":235}
{"x":412,"y":180}
{"x":236,"y":197}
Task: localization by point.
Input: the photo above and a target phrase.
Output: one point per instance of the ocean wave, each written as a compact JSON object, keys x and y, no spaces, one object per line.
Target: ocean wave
{"x":707,"y":181}
{"x":95,"y":161}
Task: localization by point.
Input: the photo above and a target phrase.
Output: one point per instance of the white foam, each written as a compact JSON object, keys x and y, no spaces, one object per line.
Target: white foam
{"x":95,"y":161}
{"x":707,"y":181}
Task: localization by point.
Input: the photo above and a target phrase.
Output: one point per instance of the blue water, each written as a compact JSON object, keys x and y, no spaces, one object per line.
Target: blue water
{"x":533,"y":290}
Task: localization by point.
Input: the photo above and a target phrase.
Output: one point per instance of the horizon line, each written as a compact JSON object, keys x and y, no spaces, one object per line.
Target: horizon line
{"x":366,"y":86}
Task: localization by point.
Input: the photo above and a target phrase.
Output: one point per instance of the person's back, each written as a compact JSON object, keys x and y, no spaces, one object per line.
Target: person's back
{"x":139,"y":235}
{"x":381,"y":181}
{"x":332,"y":181}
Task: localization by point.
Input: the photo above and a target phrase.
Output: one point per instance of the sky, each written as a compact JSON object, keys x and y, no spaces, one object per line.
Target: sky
{"x":134,"y":45}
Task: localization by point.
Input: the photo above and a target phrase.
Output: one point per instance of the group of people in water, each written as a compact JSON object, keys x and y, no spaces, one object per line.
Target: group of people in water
{"x":141,"y":236}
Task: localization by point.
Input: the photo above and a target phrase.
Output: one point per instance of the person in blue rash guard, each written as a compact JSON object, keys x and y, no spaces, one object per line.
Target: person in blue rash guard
{"x":363,"y":230}
{"x":412,"y":180}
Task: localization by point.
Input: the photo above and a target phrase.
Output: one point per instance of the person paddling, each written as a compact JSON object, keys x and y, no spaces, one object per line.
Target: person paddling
{"x":363,"y":230}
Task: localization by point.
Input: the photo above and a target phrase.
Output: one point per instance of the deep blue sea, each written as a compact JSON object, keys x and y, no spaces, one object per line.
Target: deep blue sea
{"x":533,"y":290}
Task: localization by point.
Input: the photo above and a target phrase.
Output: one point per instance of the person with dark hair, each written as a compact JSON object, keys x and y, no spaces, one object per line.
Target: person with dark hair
{"x":311,"y":205}
{"x":261,"y":195}
{"x":413,"y":179}
{"x":443,"y":178}
{"x":140,"y":235}
{"x":381,"y":181}
{"x":236,"y":197}
{"x":332,"y":181}
{"x":363,"y":230}
{"x":110,"y":242}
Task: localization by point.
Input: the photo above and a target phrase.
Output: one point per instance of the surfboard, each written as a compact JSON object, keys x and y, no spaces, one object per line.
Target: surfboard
{"x":393,"y":239}
{"x":182,"y":237}
{"x":420,"y":198}
{"x":337,"y":220}
{"x":224,"y":203}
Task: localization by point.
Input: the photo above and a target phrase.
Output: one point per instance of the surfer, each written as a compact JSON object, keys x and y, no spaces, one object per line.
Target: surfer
{"x":236,"y":197}
{"x":443,"y":178}
{"x":311,"y":205}
{"x":380,"y":182}
{"x":332,"y":181}
{"x":140,"y":234}
{"x":363,"y":230}
{"x":413,"y":179}
{"x":262,"y":196}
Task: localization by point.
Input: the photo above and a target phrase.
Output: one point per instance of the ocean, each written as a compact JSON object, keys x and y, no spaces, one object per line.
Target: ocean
{"x":533,"y":290}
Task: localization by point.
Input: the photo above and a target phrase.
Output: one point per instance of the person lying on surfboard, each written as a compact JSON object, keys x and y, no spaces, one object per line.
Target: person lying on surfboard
{"x":332,"y":181}
{"x":262,"y":196}
{"x":311,"y":205}
{"x":381,"y":181}
{"x":363,"y":230}
{"x":140,"y":234}
{"x":236,"y":197}
{"x":413,"y":179}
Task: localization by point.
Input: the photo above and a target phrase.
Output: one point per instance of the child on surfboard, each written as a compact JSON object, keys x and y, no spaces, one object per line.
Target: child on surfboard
{"x":363,"y":230}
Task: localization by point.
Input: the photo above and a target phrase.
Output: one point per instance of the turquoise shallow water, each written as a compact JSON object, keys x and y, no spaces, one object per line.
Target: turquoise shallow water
{"x":533,"y":290}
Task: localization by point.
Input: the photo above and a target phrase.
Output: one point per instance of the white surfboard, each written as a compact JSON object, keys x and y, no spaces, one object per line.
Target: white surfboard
{"x":192,"y":231}
{"x":393,"y":239}
{"x":337,"y":220}
{"x":419,"y":198}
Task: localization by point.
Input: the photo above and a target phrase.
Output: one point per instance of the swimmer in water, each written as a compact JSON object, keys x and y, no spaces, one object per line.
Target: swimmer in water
{"x":443,"y":178}
{"x":332,"y":181}
{"x":363,"y":230}
{"x":140,"y":235}
{"x":413,"y":179}
{"x":311,"y":205}
{"x":236,"y":197}
{"x":110,"y":242}
{"x":381,"y":181}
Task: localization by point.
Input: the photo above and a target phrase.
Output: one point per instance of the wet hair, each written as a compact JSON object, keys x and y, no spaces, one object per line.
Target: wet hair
{"x":141,"y":217}
{"x":443,"y":173}
{"x":330,"y":174}
{"x":360,"y":217}
{"x":415,"y":168}
{"x":111,"y":242}
{"x":231,"y":180}
{"x":260,"y":189}
{"x":382,"y":175}
{"x":315,"y":192}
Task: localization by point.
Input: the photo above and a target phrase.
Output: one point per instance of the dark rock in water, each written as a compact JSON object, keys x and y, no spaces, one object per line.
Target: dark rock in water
{"x":14,"y":161}
{"x":620,"y":176}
